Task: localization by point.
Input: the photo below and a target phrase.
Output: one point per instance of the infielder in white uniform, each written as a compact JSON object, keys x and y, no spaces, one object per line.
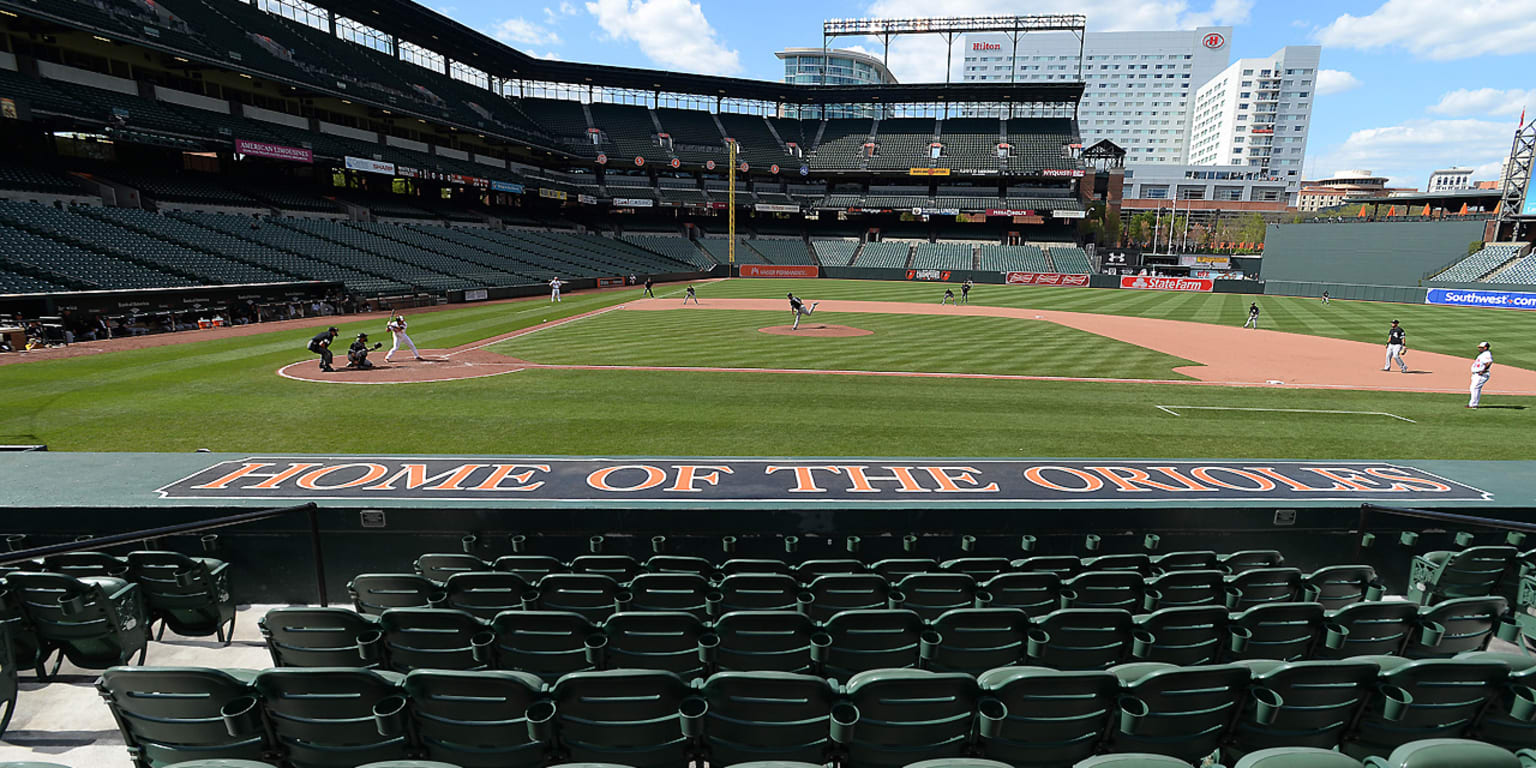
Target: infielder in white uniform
{"x":1397,"y":341}
{"x":554,"y":289}
{"x":396,"y":328}
{"x":1482,"y":370}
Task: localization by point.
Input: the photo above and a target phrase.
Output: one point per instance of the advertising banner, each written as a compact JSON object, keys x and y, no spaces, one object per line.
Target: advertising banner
{"x":507,"y":186}
{"x":476,"y":294}
{"x":928,"y":172}
{"x":1068,"y":173}
{"x":633,"y":202}
{"x":1070,"y":214}
{"x":779,"y":270}
{"x":1046,"y":278}
{"x":369,"y":165}
{"x":1123,"y":259}
{"x":939,"y":275}
{"x":586,"y":199}
{"x":1206,"y":262}
{"x":274,"y":151}
{"x":610,"y":282}
{"x":554,"y":194}
{"x":1009,"y":212}
{"x":1460,"y":297}
{"x":577,"y":479}
{"x":776,"y":208}
{"x":1199,"y":285}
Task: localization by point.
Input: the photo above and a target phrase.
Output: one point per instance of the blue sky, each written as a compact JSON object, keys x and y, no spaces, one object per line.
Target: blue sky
{"x":1415,"y":84}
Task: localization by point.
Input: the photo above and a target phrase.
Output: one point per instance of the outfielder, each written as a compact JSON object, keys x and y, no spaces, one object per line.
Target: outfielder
{"x":1482,"y":370}
{"x":1253,"y":317}
{"x":321,"y":345}
{"x":690,"y":294}
{"x":1396,"y":344}
{"x":554,"y":289}
{"x":396,"y":327}
{"x":798,"y":307}
{"x":949,"y":297}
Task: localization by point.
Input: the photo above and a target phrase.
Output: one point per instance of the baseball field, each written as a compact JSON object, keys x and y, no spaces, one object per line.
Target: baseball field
{"x":880,"y":369}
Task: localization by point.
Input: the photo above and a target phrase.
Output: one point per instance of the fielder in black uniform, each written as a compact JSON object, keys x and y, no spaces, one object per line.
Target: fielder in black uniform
{"x":357,"y":354}
{"x":1253,"y":316}
{"x":798,"y":307}
{"x":690,"y":294}
{"x":649,"y":281}
{"x":1397,"y":343}
{"x":965,"y":292}
{"x":321,"y":345}
{"x":949,"y":297}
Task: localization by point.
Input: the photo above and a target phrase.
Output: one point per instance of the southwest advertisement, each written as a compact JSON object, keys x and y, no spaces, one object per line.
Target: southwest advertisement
{"x":1458,"y":297}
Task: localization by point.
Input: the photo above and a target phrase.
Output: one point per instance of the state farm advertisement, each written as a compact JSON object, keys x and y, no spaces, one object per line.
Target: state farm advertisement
{"x":1046,"y":278}
{"x":1194,"y":285}
{"x":274,"y":151}
{"x":777,"y":270}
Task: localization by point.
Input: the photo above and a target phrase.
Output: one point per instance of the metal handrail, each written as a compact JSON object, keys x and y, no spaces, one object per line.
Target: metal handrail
{"x":1447,"y":517}
{"x":146,"y":534}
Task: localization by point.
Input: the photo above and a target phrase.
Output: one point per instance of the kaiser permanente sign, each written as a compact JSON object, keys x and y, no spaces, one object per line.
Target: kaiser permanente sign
{"x":815,"y":480}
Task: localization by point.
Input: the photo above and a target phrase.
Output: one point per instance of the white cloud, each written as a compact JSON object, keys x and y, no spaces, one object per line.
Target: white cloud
{"x":1485,"y":101}
{"x":1407,"y":152}
{"x":920,"y":58}
{"x":1335,"y":81}
{"x":567,"y":9}
{"x":1439,"y":30}
{"x":672,"y":33}
{"x":524,"y":32}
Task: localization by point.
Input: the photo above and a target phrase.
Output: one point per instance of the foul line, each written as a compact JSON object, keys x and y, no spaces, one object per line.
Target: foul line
{"x":1169,"y":409}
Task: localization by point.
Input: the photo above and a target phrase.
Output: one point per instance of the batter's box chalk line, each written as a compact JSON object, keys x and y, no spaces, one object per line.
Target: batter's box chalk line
{"x":1174,"y":411}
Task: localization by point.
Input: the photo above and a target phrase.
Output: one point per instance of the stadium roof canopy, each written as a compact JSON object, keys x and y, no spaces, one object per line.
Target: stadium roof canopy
{"x":425,"y":27}
{"x":1485,"y":199}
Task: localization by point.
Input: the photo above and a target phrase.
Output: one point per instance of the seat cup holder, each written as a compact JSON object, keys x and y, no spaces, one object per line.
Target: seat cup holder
{"x":595,"y":545}
{"x":1234,"y":598}
{"x":209,"y":542}
{"x":1132,"y":711}
{"x":14,"y":541}
{"x":1027,"y":543}
{"x":852,"y":543}
{"x":845,"y":717}
{"x":803,"y":602}
{"x":595,"y":646}
{"x":1523,"y":706}
{"x":1310,"y":593}
{"x":1336,"y":636}
{"x":1431,"y":633}
{"x":1092,"y":542}
{"x":241,"y":716}
{"x":72,"y":604}
{"x":983,"y":598}
{"x":541,"y":721}
{"x":791,"y":544}
{"x":622,"y":601}
{"x":480,"y":646}
{"x":1142,"y":643}
{"x":1067,"y":595}
{"x":519,"y":544}
{"x":713,"y":602}
{"x":1150,"y":599}
{"x":821,"y":644}
{"x":1408,"y":538}
{"x":1267,"y":704}
{"x":928,"y":644}
{"x":369,"y":644}
{"x":186,"y":578}
{"x":1374,"y":591}
{"x":1036,"y":641}
{"x":1394,"y":702}
{"x":658,"y":544}
{"x":895,"y":598}
{"x":531,"y":600}
{"x":1507,"y":630}
{"x":389,"y":716}
{"x":1238,"y":637}
{"x":909,"y":543}
{"x":728,"y":544}
{"x":468,"y":542}
{"x":993,"y":714}
{"x":1151,"y":542}
{"x":691,"y":716}
{"x":968,"y":543}
{"x":709,"y":642}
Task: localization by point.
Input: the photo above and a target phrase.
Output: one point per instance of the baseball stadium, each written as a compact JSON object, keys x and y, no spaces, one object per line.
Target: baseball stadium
{"x":375,"y":393}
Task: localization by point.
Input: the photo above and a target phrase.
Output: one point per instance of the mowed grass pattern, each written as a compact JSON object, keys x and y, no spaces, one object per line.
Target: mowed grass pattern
{"x":225,"y":395}
{"x":731,"y":339}
{"x":1448,"y":330}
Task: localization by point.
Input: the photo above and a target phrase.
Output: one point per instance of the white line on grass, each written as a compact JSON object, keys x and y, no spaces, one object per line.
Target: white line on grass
{"x":1169,"y":409}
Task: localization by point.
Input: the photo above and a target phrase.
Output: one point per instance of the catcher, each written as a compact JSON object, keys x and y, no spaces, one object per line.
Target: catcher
{"x":357,"y":354}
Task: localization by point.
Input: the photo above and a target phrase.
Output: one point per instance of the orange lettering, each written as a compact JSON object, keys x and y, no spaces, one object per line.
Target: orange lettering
{"x":653,"y":477}
{"x":1349,"y":478}
{"x":245,"y":469}
{"x":1127,"y":482}
{"x":1406,"y":482}
{"x":416,"y":477}
{"x":902,"y":475}
{"x":688,"y":474}
{"x":1204,"y":473}
{"x":950,"y":483}
{"x":274,"y":481}
{"x":1091,"y":482}
{"x":805,"y":482}
{"x":504,"y":471}
{"x":1189,"y":485}
{"x":1272,"y":472}
{"x":311,"y":481}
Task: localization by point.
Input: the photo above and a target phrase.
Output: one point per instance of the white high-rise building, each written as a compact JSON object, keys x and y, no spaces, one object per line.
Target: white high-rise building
{"x":1257,"y":112}
{"x":1138,"y":84}
{"x":1449,"y":179}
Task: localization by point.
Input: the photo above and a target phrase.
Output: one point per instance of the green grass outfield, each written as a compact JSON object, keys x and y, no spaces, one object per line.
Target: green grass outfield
{"x":224,"y":395}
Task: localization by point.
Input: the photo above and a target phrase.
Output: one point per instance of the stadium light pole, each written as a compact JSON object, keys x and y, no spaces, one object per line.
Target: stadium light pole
{"x":730,"y":213}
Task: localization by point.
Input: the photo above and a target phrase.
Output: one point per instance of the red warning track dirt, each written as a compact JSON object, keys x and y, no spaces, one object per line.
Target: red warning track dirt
{"x":818,"y":330}
{"x":1226,"y":355}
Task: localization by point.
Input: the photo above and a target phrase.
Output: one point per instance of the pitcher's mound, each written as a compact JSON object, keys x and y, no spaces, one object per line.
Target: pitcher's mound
{"x":820,"y":330}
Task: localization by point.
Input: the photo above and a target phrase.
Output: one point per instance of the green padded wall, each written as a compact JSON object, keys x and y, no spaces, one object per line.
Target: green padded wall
{"x":1367,"y":253}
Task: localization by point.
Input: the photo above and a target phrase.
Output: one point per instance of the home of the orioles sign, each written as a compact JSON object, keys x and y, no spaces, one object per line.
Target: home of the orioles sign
{"x":791,"y":480}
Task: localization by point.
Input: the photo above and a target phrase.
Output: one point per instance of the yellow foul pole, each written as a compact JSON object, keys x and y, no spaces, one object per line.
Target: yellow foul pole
{"x":730,"y":213}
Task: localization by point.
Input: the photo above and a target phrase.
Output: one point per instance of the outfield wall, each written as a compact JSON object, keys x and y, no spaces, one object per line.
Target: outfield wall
{"x":1364,"y":253}
{"x":1394,"y":293}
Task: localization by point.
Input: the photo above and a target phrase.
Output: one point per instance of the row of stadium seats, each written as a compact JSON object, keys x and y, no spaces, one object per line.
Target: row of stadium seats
{"x":1477,"y":265}
{"x":1020,"y":716}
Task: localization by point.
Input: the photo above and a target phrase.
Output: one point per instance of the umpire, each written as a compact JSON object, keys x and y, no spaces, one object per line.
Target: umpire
{"x":321,"y":345}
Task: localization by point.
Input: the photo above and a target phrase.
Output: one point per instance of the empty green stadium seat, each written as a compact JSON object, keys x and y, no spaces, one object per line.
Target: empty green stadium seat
{"x":321,"y":637}
{"x":1257,"y":586}
{"x":933,"y":594}
{"x":374,"y":593}
{"x":434,"y":638}
{"x":1510,"y":719}
{"x":1189,"y":560}
{"x":809,"y":570}
{"x":530,"y":567}
{"x":1034,"y":592}
{"x":1280,"y":631}
{"x":1033,"y":716}
{"x":759,"y":592}
{"x":974,"y":640}
{"x":78,"y":564}
{"x":680,"y":564}
{"x":1064,"y":566}
{"x":869,"y":640}
{"x":1182,"y":712}
{"x":1104,"y":589}
{"x":171,"y":714}
{"x":1080,"y":638}
{"x":756,"y":716}
{"x":633,"y":718}
{"x":484,"y":594}
{"x":1132,"y":760}
{"x":335,"y":718}
{"x":439,"y":566}
{"x":670,"y":641}
{"x":191,"y":595}
{"x":545,"y":643}
{"x":903,"y":716}
{"x":474,"y":719}
{"x":1301,"y":704}
{"x":835,"y":592}
{"x":1248,"y":559}
{"x":96,"y":621}
{"x":1366,"y":629}
{"x":1182,"y":636}
{"x":745,"y":565}
{"x":782,"y":641}
{"x":1471,"y":572}
{"x":1138,"y":562}
{"x":620,"y":568}
{"x":978,"y":568}
{"x":592,"y":595}
{"x":1297,"y":757}
{"x":688,"y":592}
{"x":895,"y":568}
{"x":1337,"y":586}
{"x":1183,"y":588}
{"x":1425,"y":699}
{"x":1445,"y":753}
{"x":1455,"y":626}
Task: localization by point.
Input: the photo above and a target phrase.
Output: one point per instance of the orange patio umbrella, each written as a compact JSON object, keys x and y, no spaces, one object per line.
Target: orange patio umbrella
{"x":1391,"y":211}
{"x":1361,"y":214}
{"x":1463,"y":210}
{"x":1426,"y":210}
